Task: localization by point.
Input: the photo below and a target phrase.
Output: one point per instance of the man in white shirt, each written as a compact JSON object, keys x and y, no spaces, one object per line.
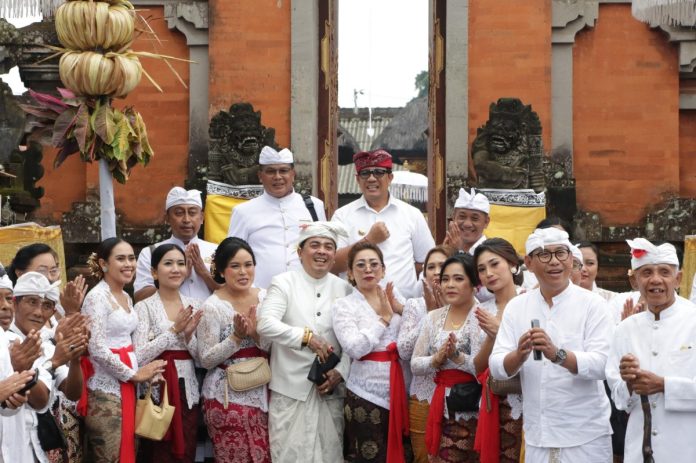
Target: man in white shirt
{"x":184,"y":211}
{"x":399,"y":229}
{"x":35,"y":302}
{"x":470,"y":219}
{"x":305,"y":421}
{"x":566,"y":410}
{"x":652,"y":361}
{"x":271,"y":223}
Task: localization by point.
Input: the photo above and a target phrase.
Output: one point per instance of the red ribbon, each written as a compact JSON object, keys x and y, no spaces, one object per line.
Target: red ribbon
{"x":487,"y":442}
{"x":247,"y":352}
{"x":175,"y":433}
{"x":433,"y":428}
{"x":398,"y":402}
{"x":127,"y":454}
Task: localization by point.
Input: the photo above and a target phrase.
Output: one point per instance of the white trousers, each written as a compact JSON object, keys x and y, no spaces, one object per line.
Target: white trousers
{"x":595,"y":451}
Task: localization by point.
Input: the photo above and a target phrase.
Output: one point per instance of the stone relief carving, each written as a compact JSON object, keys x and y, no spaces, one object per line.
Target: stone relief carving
{"x":236,"y":139}
{"x":507,"y":150}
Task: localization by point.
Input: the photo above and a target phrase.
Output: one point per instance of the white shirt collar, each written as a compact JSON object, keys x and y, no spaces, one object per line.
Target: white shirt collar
{"x":273,"y":199}
{"x":362,"y":202}
{"x":174,"y":240}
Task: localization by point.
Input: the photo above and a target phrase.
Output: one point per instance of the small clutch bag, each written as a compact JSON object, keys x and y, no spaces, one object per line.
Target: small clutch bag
{"x":318,"y":369}
{"x":464,"y":397}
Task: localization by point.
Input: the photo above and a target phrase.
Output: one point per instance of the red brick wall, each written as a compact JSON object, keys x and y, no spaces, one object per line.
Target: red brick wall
{"x":250,"y":59}
{"x":625,"y":116}
{"x":167,"y":118}
{"x":509,"y":56}
{"x":687,"y":153}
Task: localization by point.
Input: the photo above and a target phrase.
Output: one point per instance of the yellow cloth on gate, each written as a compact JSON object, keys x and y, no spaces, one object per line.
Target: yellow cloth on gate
{"x":17,"y":236}
{"x":689,"y":266}
{"x":218,"y":211}
{"x":514,"y":223}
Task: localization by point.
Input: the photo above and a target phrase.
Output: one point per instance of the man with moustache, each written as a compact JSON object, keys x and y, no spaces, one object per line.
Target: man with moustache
{"x":305,"y":421}
{"x":652,"y":362}
{"x":271,"y":223}
{"x":565,"y":409}
{"x":184,"y":211}
{"x":399,"y":229}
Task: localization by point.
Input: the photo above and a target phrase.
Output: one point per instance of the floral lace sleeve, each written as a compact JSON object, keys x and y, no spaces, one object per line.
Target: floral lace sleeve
{"x":414,"y":312}
{"x":98,"y":307}
{"x":356,"y":341}
{"x":212,"y":350}
{"x":146,"y":349}
{"x":422,"y":356}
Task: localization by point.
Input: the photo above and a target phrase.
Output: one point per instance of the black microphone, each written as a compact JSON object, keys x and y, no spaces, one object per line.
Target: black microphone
{"x":537,"y":353}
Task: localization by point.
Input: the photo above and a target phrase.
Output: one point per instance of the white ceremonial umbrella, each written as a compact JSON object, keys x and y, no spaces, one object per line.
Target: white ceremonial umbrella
{"x":409,"y":186}
{"x":665,"y":12}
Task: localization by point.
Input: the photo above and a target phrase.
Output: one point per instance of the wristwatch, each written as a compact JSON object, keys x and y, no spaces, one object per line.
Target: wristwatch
{"x":561,"y":356}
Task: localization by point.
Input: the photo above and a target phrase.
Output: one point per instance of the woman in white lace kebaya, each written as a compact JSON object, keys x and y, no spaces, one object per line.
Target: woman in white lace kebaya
{"x":446,"y":352}
{"x":111,"y":370}
{"x":415,"y":310}
{"x":237,"y":421}
{"x":367,"y":327}
{"x":167,"y":323}
{"x":498,"y":267}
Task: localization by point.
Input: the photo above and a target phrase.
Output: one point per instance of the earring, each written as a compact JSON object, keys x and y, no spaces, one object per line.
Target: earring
{"x":515,"y":270}
{"x":105,"y":269}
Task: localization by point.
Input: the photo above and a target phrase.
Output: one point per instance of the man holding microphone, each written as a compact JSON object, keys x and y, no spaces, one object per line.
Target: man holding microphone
{"x":566,"y":411}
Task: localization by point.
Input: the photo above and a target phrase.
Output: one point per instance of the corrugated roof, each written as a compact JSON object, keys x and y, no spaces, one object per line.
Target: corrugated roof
{"x":357,"y":124}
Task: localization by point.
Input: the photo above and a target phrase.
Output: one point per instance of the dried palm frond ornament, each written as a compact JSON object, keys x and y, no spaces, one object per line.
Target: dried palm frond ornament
{"x":97,"y":64}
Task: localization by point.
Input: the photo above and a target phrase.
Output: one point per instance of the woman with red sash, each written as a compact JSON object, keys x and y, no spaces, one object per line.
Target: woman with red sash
{"x":499,"y":433}
{"x":367,"y":328}
{"x":167,"y":323}
{"x":111,"y":370}
{"x":446,"y":349}
{"x":237,"y":421}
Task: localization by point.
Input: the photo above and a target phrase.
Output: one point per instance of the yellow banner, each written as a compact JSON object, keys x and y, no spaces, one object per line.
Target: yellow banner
{"x":17,"y":236}
{"x":689,"y":267}
{"x":514,"y":224}
{"x":218,"y":211}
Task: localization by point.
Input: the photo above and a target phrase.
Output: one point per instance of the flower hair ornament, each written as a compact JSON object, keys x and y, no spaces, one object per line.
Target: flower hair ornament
{"x":213,"y":268}
{"x":94,"y":267}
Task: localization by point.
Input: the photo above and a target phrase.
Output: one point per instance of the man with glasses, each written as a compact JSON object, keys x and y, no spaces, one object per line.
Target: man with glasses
{"x":399,"y":229}
{"x":271,"y":223}
{"x":565,"y":409}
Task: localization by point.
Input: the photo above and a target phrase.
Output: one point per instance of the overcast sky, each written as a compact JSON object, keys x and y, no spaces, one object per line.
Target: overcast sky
{"x":380,"y":52}
{"x":382,"y":46}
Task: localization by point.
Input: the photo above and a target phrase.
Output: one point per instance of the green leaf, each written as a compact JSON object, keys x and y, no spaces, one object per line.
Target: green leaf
{"x":122,"y":139}
{"x":62,"y":127}
{"x":82,"y":130}
{"x":142,"y":136}
{"x":103,"y":123}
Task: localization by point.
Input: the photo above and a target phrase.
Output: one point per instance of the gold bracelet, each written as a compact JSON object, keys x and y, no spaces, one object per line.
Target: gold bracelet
{"x":305,"y":337}
{"x":309,"y":339}
{"x":173,"y":330}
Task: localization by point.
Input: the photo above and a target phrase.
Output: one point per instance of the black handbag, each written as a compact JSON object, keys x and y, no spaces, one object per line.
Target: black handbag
{"x":51,"y":435}
{"x":318,"y":369}
{"x":464,"y":397}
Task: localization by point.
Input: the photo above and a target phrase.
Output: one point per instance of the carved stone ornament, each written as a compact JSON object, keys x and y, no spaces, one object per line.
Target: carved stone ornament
{"x":236,"y":139}
{"x":507,"y":150}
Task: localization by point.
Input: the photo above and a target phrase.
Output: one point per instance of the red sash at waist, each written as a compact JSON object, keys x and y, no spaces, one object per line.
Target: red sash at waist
{"x":487,"y":442}
{"x":247,"y":352}
{"x":175,"y":433}
{"x":433,"y":428}
{"x":398,"y":402}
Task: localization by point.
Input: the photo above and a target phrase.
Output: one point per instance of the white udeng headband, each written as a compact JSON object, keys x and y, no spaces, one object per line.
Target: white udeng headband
{"x":542,"y":237}
{"x":178,"y":196}
{"x":643,"y":252}
{"x":473,"y":200}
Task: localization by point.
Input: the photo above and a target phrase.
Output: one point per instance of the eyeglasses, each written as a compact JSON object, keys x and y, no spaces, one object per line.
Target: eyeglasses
{"x":577,"y":265}
{"x":546,"y":256}
{"x":378,"y":173}
{"x":34,"y":302}
{"x":363,"y":265}
{"x":48,"y":272}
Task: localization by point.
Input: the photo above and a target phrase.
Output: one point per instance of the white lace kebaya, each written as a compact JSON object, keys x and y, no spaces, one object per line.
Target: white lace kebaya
{"x":153,"y":336}
{"x":422,"y":387}
{"x":216,"y":346}
{"x":112,"y":328}
{"x":359,"y":332}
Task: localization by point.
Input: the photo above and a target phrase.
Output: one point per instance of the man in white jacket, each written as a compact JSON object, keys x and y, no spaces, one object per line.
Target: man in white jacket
{"x":652,"y":361}
{"x":305,"y":421}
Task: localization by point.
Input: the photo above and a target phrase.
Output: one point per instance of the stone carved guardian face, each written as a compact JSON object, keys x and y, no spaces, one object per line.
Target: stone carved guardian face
{"x":504,"y":135}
